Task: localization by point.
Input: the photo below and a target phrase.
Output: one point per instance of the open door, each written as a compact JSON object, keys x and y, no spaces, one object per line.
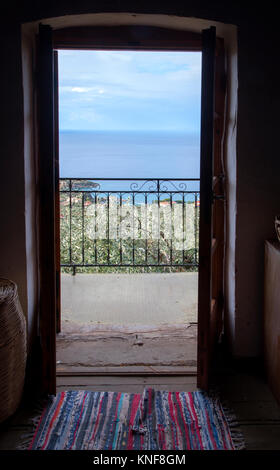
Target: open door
{"x":211,"y":244}
{"x":47,"y":207}
{"x":211,"y":229}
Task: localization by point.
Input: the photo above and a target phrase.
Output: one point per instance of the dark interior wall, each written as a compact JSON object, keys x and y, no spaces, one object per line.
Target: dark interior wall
{"x":232,"y":11}
{"x":258,"y":166}
{"x":17,"y":185}
{"x":258,"y":170}
{"x":12,"y":196}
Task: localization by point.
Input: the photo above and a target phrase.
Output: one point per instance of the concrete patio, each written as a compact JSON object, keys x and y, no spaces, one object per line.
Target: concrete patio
{"x":91,"y":301}
{"x":128,"y":323}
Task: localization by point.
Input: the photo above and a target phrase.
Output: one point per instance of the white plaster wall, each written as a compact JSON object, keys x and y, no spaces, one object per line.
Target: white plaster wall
{"x":109,"y":19}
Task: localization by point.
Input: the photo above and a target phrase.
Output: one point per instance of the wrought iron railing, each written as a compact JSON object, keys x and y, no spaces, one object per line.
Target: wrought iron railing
{"x":129,"y":223}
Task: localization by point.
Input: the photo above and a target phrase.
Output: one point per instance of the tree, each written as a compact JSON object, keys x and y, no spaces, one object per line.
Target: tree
{"x":108,"y":229}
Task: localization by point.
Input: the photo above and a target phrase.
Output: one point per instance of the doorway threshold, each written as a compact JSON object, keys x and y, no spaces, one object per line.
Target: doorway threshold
{"x":127,"y":371}
{"x":168,"y":350}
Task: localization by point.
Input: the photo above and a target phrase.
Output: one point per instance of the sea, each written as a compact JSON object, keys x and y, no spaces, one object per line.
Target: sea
{"x":129,"y":154}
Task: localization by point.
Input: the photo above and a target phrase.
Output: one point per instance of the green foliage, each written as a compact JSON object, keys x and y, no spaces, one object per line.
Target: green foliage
{"x":112,"y":233}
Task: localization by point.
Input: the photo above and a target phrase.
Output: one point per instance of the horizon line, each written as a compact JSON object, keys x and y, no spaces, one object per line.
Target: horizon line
{"x":132,"y":130}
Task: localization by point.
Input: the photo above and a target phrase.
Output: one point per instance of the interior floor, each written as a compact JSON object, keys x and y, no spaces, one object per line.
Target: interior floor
{"x":246,"y":392}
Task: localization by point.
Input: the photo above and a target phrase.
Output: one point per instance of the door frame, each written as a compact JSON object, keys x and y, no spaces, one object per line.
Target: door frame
{"x":93,"y":38}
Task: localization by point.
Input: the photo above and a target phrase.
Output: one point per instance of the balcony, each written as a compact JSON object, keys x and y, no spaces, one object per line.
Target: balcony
{"x":129,"y":259}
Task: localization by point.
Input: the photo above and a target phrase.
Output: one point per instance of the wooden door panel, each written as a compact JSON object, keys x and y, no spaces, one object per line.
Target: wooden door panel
{"x":47,"y":230}
{"x":57,"y":194}
{"x":211,"y":230}
{"x":218,"y":208}
{"x":205,"y":219}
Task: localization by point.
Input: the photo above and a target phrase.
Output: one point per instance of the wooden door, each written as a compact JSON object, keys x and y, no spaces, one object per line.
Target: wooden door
{"x":57,"y":195}
{"x":47,"y":205}
{"x":210,"y":301}
{"x":211,"y":242}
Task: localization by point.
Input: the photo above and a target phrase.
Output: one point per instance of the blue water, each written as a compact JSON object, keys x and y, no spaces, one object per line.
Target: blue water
{"x":119,"y":154}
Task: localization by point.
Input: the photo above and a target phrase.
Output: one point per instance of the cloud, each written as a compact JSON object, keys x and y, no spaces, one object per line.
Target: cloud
{"x":78,"y":89}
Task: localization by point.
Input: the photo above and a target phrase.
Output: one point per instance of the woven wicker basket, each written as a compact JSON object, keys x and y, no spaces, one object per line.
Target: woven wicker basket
{"x":12,"y":349}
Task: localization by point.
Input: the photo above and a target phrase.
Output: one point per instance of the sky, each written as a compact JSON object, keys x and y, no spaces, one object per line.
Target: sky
{"x":129,"y":90}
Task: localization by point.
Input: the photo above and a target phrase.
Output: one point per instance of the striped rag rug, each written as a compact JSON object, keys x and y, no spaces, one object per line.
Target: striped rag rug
{"x":154,"y":420}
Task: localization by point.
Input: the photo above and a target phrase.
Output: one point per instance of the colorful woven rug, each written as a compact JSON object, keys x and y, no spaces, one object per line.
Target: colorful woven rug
{"x":155,"y":420}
